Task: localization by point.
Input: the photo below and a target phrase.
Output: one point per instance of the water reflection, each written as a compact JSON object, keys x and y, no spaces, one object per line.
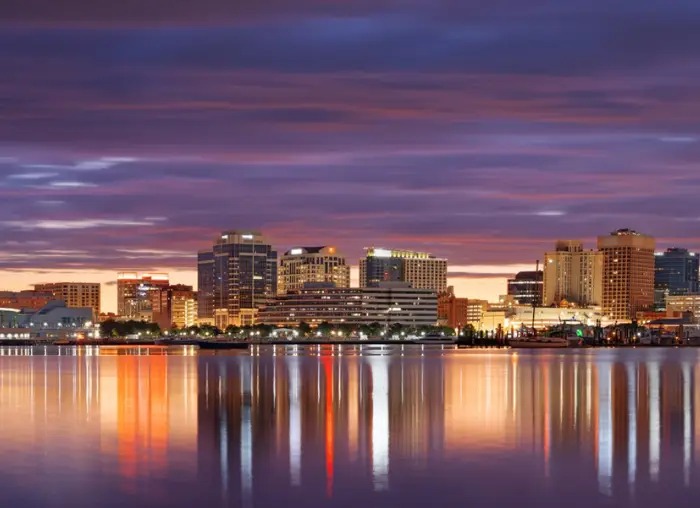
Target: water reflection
{"x":325,"y":426}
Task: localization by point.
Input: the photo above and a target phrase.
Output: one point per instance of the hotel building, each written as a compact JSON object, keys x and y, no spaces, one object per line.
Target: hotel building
{"x":573,"y":274}
{"x":386,"y":304}
{"x":628,"y":273}
{"x":136,"y":293}
{"x":76,"y":295}
{"x":235,"y":278}
{"x":312,"y":264}
{"x":420,"y":269}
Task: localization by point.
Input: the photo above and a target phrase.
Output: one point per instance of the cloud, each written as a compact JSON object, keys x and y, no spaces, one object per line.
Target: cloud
{"x":31,"y":176}
{"x":74,"y":224}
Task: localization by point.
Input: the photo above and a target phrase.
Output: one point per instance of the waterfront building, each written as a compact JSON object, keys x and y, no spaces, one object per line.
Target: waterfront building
{"x":235,"y":278}
{"x":676,"y":273}
{"x":53,"y":321}
{"x":26,"y":299}
{"x":175,"y":306}
{"x":302,"y":265}
{"x":628,"y":273}
{"x":384,"y":303}
{"x":452,"y":311}
{"x":680,"y":304}
{"x":136,"y":293}
{"x":420,"y":269}
{"x":572,"y":274}
{"x":526,"y":287}
{"x":74,"y":294}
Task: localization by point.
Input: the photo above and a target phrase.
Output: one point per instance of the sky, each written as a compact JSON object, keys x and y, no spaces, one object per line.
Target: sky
{"x":132,"y":132}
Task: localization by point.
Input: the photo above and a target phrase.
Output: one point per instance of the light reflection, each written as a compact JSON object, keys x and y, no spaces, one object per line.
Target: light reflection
{"x":326,"y":419}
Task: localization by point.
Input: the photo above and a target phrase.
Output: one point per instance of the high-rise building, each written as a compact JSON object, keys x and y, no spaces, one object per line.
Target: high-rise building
{"x":526,"y":287}
{"x":76,"y":295}
{"x":573,"y":274}
{"x":312,"y":264}
{"x":452,"y":311}
{"x":420,"y":269}
{"x":175,"y":306}
{"x":236,"y":277}
{"x":676,"y":273}
{"x":137,"y":292}
{"x":628,"y":273}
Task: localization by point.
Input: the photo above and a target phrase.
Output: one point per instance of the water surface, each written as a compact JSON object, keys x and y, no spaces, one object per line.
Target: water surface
{"x":347,"y":427}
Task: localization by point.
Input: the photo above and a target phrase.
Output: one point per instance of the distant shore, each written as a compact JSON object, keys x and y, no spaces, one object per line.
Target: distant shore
{"x":164,"y":342}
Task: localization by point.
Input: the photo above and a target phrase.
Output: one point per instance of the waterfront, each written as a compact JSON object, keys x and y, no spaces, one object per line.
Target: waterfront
{"x":341,"y":426}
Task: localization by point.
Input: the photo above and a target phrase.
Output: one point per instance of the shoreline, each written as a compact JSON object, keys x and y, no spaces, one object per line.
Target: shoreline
{"x":312,"y":342}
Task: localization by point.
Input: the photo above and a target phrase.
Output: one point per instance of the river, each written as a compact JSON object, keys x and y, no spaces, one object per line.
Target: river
{"x":348,"y":426}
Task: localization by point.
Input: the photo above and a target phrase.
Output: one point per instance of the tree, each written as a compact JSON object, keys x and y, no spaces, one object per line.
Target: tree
{"x":325,"y":328}
{"x":304,"y":329}
{"x":395,"y":329}
{"x":375,"y":329}
{"x":232,"y":330}
{"x":347,"y":329}
{"x":468,"y":330}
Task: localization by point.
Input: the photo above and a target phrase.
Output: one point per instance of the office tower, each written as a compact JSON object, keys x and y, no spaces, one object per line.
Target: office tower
{"x":136,"y":293}
{"x":573,"y":274}
{"x":526,"y":287}
{"x":236,"y":277}
{"x":175,"y":306}
{"x":452,"y":311}
{"x":628,"y":273}
{"x":76,"y":295}
{"x":312,"y":264}
{"x":420,"y":269}
{"x":676,"y":273}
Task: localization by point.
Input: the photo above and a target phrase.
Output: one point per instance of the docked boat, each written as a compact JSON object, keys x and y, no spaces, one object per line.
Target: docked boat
{"x":538,"y":341}
{"x":221,"y":344}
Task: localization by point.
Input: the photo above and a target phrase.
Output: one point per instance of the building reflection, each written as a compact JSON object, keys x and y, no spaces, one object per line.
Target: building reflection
{"x":328,"y":416}
{"x":321,"y":419}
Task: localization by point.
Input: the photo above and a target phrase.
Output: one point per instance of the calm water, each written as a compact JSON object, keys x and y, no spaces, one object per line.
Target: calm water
{"x":352,"y":427}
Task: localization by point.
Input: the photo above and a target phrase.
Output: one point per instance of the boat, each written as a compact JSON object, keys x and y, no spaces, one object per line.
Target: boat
{"x":538,"y":341}
{"x":221,"y":344}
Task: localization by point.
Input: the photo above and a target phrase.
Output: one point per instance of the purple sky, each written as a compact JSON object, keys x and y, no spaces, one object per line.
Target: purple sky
{"x":478,"y":130}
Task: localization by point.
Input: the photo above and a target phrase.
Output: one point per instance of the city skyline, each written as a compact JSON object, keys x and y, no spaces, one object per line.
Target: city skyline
{"x":487,"y":282}
{"x":449,"y":127}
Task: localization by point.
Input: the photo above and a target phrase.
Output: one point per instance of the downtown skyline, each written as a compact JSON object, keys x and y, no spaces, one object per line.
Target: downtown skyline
{"x":479,"y":133}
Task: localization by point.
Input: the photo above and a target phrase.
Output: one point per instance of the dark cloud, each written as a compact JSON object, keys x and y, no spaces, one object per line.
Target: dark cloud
{"x":130,"y":133}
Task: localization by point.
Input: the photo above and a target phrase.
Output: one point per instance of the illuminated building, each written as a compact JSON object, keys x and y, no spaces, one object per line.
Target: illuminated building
{"x":420,"y":269}
{"x":680,"y":304}
{"x":385,"y":304}
{"x":312,"y":264}
{"x":573,"y":274}
{"x":53,"y":321}
{"x":236,"y":277}
{"x":136,"y":292}
{"x":175,"y":306}
{"x":475,"y":312}
{"x":526,"y":287}
{"x":75,"y":294}
{"x":628,"y":273}
{"x":676,"y":273}
{"x":25,"y":299}
{"x":452,"y":311}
